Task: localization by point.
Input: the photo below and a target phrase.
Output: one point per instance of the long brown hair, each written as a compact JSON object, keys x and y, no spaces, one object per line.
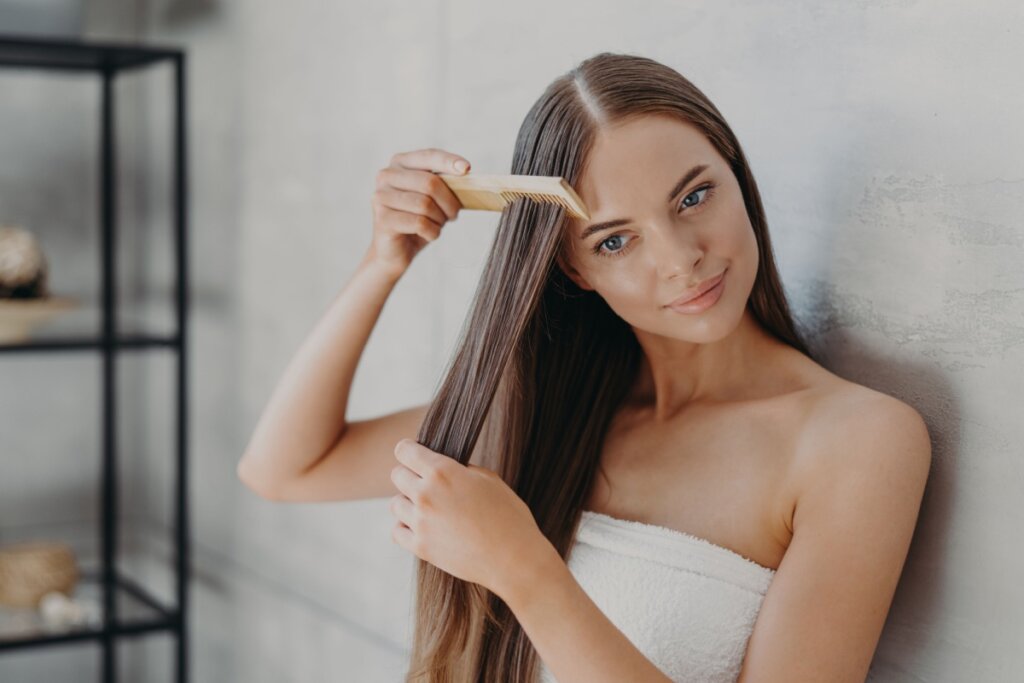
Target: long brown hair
{"x":543,"y":364}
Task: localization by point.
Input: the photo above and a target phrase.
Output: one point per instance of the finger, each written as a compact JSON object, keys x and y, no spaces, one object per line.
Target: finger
{"x":407,"y":453}
{"x":419,"y":458}
{"x":423,"y":182}
{"x":414,"y":203}
{"x":431,"y":159}
{"x":413,"y":224}
{"x":403,"y":509}
{"x":406,"y":481}
{"x":403,"y":536}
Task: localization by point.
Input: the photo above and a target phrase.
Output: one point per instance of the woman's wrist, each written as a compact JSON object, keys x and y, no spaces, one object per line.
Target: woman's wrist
{"x":385,"y":271}
{"x":541,"y":571}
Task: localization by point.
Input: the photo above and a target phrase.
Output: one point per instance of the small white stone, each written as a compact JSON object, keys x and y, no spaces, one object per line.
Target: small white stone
{"x":54,"y":606}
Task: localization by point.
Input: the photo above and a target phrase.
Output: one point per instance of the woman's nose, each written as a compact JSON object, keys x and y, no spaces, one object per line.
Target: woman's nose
{"x":675,"y":252}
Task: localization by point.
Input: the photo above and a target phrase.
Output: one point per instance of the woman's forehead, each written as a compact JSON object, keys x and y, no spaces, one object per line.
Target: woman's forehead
{"x":641,"y":156}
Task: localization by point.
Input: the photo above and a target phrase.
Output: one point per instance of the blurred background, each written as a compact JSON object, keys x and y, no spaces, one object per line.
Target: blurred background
{"x":885,"y":136}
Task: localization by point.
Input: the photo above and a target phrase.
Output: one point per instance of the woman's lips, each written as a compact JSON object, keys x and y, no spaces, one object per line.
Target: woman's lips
{"x":702,"y":301}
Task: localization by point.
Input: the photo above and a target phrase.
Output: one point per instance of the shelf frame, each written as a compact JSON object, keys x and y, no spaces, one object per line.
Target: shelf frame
{"x":109,"y":59}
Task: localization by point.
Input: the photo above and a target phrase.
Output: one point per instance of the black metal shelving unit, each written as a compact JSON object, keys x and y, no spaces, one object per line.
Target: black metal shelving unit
{"x":128,"y":608}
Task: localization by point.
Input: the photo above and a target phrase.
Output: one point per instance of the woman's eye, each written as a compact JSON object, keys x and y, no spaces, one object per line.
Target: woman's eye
{"x":601,"y":252}
{"x":709,"y":189}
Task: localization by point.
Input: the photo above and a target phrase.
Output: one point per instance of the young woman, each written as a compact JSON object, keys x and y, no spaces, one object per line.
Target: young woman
{"x":633,"y":470}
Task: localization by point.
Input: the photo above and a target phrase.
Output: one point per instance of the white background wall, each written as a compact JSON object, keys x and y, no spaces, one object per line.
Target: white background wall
{"x":885,"y":137}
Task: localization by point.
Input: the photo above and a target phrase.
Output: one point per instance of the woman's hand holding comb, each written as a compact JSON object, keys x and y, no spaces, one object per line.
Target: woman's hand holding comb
{"x":411,"y":205}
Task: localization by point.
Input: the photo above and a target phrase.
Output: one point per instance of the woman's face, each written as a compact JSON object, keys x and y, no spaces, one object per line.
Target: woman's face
{"x":667,"y":241}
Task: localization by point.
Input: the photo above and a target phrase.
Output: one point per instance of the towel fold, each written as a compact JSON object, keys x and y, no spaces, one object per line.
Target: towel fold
{"x":688,"y":604}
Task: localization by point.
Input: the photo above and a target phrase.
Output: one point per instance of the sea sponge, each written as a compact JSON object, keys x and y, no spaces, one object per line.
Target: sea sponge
{"x":23,"y":268}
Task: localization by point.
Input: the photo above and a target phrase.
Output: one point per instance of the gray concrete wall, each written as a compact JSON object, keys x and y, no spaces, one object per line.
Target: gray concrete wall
{"x":885,"y":138}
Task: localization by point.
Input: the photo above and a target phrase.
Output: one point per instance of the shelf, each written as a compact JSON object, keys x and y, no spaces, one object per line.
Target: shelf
{"x":146,"y":323}
{"x":78,"y":55}
{"x":90,"y":343}
{"x":106,"y":321}
{"x":137,"y":612}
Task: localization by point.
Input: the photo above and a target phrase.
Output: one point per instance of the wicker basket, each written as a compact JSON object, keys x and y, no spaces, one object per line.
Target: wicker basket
{"x":28,"y":571}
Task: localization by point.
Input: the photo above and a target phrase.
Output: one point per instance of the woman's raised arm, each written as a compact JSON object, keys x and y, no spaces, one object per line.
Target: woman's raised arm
{"x":303,"y":424}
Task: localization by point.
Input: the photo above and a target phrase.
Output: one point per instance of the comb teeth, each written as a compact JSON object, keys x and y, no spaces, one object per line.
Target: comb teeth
{"x":510,"y":195}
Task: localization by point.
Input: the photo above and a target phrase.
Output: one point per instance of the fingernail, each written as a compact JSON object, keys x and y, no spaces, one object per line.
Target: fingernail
{"x":461,"y":166}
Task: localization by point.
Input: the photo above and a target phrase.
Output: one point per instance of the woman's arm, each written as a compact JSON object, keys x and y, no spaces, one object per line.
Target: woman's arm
{"x":577,"y":642}
{"x":306,"y":412}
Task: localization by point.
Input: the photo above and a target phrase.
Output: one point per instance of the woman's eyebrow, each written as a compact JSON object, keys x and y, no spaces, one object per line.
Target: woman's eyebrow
{"x":605,"y":225}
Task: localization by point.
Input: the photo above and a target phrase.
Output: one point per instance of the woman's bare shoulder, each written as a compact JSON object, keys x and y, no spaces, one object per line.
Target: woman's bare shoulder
{"x":842,"y":402}
{"x":844,"y":418}
{"x":827,"y":397}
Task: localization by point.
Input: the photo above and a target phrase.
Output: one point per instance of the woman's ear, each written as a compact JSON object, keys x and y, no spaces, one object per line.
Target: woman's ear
{"x":571,"y":272}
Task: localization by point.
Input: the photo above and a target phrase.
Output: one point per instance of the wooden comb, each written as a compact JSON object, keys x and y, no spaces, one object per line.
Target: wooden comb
{"x":495,"y":192}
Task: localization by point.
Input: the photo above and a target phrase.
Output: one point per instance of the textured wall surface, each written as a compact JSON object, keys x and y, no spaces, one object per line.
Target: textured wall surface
{"x":886,"y":140}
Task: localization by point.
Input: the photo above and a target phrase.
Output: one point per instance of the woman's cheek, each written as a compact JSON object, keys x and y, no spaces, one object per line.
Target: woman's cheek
{"x":631,"y":303}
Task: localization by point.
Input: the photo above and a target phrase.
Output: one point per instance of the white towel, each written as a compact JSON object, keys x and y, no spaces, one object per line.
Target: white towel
{"x":687,"y":604}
